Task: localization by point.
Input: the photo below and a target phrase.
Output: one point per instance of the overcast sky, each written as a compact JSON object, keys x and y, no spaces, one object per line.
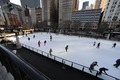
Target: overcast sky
{"x":80,"y":2}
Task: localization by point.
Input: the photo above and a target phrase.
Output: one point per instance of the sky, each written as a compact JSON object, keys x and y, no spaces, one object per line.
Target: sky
{"x":80,"y":2}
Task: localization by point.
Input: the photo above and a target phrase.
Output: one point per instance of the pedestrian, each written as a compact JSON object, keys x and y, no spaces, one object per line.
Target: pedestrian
{"x":44,"y":42}
{"x":33,"y":36}
{"x":66,"y":48}
{"x":50,"y":37}
{"x":114,"y":45}
{"x":50,"y":51}
{"x":93,"y":65}
{"x":39,"y":43}
{"x":102,"y":69}
{"x":117,"y":63}
{"x":98,"y":45}
{"x":28,"y":38}
{"x":94,"y":43}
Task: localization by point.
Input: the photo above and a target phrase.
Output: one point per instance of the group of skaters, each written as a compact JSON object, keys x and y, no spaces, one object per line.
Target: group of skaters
{"x":98,"y":45}
{"x":102,"y":69}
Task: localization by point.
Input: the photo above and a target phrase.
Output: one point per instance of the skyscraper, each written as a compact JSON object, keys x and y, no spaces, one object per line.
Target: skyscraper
{"x":112,"y":12}
{"x":30,"y":3}
{"x":75,"y":5}
{"x":50,"y":11}
{"x":85,"y":5}
{"x":4,"y":1}
{"x":100,"y":4}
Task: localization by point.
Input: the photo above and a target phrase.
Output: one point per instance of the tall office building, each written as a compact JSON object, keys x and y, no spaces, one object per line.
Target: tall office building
{"x":30,"y":3}
{"x":65,"y":12}
{"x":112,"y":12}
{"x":75,"y":5}
{"x":4,"y":1}
{"x":100,"y":4}
{"x":85,"y":5}
{"x":50,"y":11}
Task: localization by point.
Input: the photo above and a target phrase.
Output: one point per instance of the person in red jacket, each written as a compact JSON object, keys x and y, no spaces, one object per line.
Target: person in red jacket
{"x":39,"y":43}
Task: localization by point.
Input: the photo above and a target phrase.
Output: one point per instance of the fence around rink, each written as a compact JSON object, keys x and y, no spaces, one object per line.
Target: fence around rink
{"x":71,"y":64}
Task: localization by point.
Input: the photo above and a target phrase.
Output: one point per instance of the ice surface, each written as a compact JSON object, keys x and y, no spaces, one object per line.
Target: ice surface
{"x":80,"y":50}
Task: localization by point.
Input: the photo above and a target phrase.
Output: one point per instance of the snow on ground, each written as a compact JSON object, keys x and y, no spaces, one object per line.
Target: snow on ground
{"x":80,"y":50}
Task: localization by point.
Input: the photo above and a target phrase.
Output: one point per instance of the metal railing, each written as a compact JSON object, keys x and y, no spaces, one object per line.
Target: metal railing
{"x":71,"y":64}
{"x":20,"y":69}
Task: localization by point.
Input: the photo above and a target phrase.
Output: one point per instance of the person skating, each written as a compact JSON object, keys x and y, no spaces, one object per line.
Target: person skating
{"x":44,"y":42}
{"x":94,"y":43}
{"x":66,"y":48}
{"x":114,"y":45}
{"x":50,"y":51}
{"x":102,"y":69}
{"x":39,"y":43}
{"x":117,"y":63}
{"x":33,"y":36}
{"x":98,"y":45}
{"x":28,"y":38}
{"x":93,"y":65}
{"x":50,"y":37}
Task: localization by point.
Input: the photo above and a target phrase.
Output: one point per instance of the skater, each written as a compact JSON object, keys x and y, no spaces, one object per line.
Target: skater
{"x":94,"y":43}
{"x":26,"y":35}
{"x":28,"y":38}
{"x":50,"y":51}
{"x":93,"y":65}
{"x":39,"y":43}
{"x":44,"y":42}
{"x":66,"y":48}
{"x":98,"y":45}
{"x":114,"y":45}
{"x":117,"y":63}
{"x":101,"y":70}
{"x":50,"y":37}
{"x":33,"y":36}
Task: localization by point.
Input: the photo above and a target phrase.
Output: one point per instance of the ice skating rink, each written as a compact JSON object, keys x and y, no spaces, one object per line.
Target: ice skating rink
{"x":80,"y":49}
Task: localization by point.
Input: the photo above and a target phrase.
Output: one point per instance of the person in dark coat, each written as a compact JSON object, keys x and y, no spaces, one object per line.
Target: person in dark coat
{"x":102,"y":69}
{"x":114,"y":45}
{"x":93,"y":65}
{"x":50,"y":37}
{"x":26,"y":35}
{"x":98,"y":45}
{"x":117,"y":63}
{"x":50,"y":51}
{"x":94,"y":43}
{"x":33,"y":36}
{"x":66,"y":48}
{"x":28,"y":38}
{"x":44,"y":42}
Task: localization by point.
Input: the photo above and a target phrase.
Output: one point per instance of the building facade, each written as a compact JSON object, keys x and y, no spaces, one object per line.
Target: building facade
{"x":2,"y":2}
{"x":65,"y":12}
{"x":75,"y":5}
{"x":30,"y":3}
{"x":112,"y":13}
{"x":100,"y":4}
{"x":87,"y":16}
{"x":2,"y":20}
{"x":13,"y":15}
{"x":85,"y":5}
